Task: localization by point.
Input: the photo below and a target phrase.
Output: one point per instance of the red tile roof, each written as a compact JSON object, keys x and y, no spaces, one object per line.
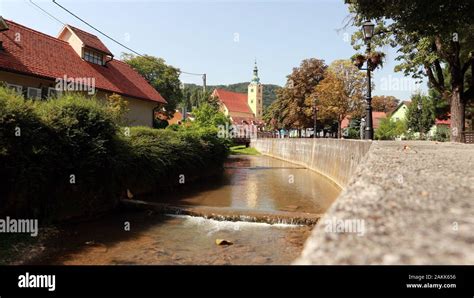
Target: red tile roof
{"x":234,"y":101}
{"x":443,"y":122}
{"x":345,"y":122}
{"x":376,"y":117}
{"x":41,"y":55}
{"x":90,"y":40}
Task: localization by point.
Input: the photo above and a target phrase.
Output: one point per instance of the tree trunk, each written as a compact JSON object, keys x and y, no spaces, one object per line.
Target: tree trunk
{"x":457,"y":115}
{"x":339,"y":129}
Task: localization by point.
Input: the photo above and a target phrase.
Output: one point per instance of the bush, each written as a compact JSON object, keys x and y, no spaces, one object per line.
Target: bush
{"x":62,"y":164}
{"x":156,"y":158}
{"x":85,"y":136}
{"x":67,"y":157}
{"x":441,"y":134}
{"x":24,"y":151}
{"x":389,"y":130}
{"x":353,"y":133}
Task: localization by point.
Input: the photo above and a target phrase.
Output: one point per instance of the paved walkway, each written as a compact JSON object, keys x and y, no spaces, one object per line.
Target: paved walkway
{"x":416,"y":203}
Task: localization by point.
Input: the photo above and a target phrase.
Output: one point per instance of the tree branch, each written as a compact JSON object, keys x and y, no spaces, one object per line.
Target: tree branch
{"x":432,"y":79}
{"x":439,"y":72}
{"x":468,"y":63}
{"x":439,"y":48}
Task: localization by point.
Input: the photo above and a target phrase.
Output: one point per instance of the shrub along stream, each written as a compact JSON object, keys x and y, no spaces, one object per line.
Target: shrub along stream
{"x":69,"y":157}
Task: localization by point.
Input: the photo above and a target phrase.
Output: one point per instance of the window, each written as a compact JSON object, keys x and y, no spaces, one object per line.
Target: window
{"x":53,"y":92}
{"x":34,"y":93}
{"x":17,"y":88}
{"x":251,"y":89}
{"x":93,"y":57}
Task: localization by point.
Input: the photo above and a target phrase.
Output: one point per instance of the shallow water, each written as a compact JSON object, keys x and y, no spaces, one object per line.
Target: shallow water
{"x":248,"y":183}
{"x":262,"y":183}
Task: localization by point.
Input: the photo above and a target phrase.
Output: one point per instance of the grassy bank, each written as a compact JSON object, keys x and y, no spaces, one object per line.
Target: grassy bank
{"x":242,"y":150}
{"x":69,"y":157}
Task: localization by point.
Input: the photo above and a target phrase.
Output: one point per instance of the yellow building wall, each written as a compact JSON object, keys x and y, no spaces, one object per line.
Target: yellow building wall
{"x":255,"y":99}
{"x":72,"y":39}
{"x":400,"y":114}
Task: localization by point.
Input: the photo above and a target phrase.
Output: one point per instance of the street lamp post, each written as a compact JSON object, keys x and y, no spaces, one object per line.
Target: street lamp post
{"x":368,"y":30}
{"x":420,"y":118}
{"x":315,"y":117}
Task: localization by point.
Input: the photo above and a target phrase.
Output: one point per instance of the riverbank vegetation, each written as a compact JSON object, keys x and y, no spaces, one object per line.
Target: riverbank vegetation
{"x":242,"y":150}
{"x":69,"y":157}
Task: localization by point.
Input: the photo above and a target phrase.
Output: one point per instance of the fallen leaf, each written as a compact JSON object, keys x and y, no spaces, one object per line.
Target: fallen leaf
{"x":223,"y":242}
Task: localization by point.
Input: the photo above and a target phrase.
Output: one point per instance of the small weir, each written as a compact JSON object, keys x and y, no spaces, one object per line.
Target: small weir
{"x":228,"y":214}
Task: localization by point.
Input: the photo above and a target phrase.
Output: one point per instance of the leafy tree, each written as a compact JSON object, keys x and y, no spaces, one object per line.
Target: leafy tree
{"x":340,"y":94}
{"x":119,"y":108}
{"x":207,"y":115}
{"x":164,"y":78}
{"x":430,"y":35}
{"x":384,"y":103}
{"x":421,"y":114}
{"x":292,"y":109}
{"x":272,"y":115}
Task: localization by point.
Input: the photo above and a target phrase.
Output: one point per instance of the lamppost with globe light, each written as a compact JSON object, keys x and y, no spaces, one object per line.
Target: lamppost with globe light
{"x":315,"y":117}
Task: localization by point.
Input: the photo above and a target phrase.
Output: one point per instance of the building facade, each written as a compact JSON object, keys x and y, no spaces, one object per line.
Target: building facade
{"x":36,"y":64}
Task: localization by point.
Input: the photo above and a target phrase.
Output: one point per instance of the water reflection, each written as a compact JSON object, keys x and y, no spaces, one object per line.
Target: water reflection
{"x":263,"y":183}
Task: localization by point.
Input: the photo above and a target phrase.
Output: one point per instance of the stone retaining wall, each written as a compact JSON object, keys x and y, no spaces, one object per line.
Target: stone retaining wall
{"x":335,"y":159}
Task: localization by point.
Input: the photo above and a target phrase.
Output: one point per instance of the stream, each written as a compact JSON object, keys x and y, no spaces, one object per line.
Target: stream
{"x":248,"y":184}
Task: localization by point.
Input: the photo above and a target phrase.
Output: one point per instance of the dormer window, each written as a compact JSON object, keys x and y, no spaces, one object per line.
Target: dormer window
{"x":93,"y":57}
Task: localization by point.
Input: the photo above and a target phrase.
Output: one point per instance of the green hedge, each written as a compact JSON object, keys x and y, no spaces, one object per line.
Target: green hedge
{"x":76,"y":139}
{"x":156,"y":158}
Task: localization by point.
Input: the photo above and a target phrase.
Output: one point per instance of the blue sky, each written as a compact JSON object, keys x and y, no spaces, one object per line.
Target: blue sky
{"x":219,"y":38}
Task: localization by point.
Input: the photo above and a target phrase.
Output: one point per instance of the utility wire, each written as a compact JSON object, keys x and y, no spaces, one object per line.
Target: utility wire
{"x":47,"y":13}
{"x":114,"y":40}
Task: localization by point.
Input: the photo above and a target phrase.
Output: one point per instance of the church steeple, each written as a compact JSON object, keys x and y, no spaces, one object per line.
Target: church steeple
{"x":255,"y":78}
{"x":255,"y":94}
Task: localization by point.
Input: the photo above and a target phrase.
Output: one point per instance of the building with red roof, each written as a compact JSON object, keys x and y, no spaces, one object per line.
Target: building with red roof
{"x":240,"y":107}
{"x":35,"y":64}
{"x":376,"y":118}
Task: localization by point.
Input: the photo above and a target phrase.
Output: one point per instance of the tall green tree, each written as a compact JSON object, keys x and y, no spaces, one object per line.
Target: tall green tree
{"x":421,"y":114}
{"x":207,"y":115}
{"x":163,"y":77}
{"x":430,"y":35}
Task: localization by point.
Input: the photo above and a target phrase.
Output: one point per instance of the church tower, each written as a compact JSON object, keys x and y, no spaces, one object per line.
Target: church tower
{"x":255,"y":94}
